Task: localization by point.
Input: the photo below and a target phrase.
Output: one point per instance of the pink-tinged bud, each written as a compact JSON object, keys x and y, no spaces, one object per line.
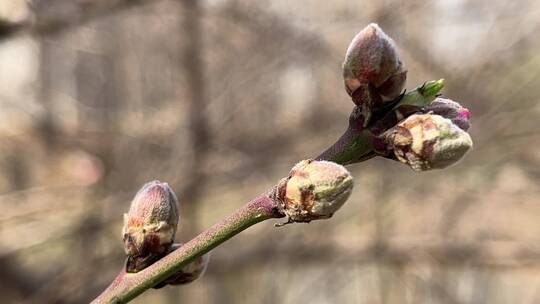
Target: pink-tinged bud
{"x":188,"y":273}
{"x":314,"y":190}
{"x":150,"y":225}
{"x":452,"y":110}
{"x":428,"y":141}
{"x":372,"y":59}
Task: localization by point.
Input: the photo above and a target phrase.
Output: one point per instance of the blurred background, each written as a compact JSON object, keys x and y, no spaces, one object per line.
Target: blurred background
{"x":219,"y":99}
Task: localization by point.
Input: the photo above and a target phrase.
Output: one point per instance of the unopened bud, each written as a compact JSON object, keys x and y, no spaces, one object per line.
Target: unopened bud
{"x":452,"y":110}
{"x":372,"y":59}
{"x":421,"y":96}
{"x":150,"y":225}
{"x":188,"y":273}
{"x":314,"y":190}
{"x":428,"y":141}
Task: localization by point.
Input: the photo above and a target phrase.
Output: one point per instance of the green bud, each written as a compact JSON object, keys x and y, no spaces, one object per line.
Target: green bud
{"x":314,"y":190}
{"x":422,"y":96}
{"x":150,"y":225}
{"x":428,"y":141}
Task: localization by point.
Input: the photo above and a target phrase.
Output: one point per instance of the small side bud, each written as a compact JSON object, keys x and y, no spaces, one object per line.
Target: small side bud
{"x":314,"y":190}
{"x":452,"y":110}
{"x":150,"y":225}
{"x":188,"y":273}
{"x":428,"y":141}
{"x":372,"y":59}
{"x":431,"y":88}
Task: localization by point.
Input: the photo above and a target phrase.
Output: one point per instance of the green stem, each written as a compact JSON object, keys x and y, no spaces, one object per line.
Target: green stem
{"x":353,"y":146}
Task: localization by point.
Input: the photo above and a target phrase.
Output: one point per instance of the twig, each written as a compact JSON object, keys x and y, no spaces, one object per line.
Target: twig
{"x":127,"y":286}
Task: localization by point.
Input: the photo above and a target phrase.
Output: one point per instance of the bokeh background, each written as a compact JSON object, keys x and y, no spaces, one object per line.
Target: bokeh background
{"x":219,"y":99}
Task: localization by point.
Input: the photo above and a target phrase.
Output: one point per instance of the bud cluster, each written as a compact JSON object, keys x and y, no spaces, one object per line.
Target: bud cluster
{"x":418,"y":128}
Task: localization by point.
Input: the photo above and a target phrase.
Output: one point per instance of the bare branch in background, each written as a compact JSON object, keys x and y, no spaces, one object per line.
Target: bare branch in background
{"x":53,"y":17}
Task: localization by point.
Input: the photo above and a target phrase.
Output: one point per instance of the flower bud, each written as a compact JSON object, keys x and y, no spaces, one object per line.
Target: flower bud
{"x":150,"y":225}
{"x":372,"y":59}
{"x":314,"y":190}
{"x":428,"y":141}
{"x":188,"y":273}
{"x":452,"y":110}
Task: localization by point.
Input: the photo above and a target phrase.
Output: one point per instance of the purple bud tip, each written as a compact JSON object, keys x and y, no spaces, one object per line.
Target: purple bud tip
{"x":465,"y":113}
{"x":452,"y":110}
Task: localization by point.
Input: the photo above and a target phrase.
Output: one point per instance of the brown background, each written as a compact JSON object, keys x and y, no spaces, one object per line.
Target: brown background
{"x":220,"y":99}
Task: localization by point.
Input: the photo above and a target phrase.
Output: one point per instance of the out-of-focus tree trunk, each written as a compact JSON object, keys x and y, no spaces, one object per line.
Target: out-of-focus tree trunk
{"x":46,"y":128}
{"x":192,"y":65}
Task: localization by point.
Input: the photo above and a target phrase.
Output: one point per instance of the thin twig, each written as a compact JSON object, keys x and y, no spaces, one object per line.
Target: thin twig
{"x":127,"y":286}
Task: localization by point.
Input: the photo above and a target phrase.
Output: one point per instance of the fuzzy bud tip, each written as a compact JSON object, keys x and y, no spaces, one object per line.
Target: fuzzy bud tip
{"x":459,"y":115}
{"x":314,"y":190}
{"x":372,"y":58}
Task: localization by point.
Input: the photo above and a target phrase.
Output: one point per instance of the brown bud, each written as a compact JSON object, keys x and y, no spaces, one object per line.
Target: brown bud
{"x":428,"y":141}
{"x":452,"y":110}
{"x":150,"y":225}
{"x":314,"y":190}
{"x":372,"y":59}
{"x":188,"y":273}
